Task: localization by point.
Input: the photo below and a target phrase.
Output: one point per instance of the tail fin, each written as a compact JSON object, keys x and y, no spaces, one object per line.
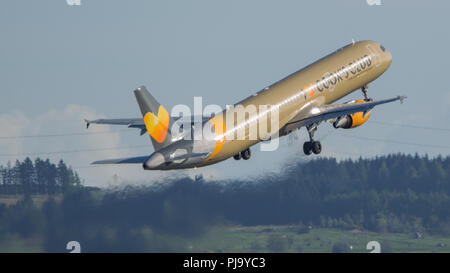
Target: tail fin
{"x":156,"y":118}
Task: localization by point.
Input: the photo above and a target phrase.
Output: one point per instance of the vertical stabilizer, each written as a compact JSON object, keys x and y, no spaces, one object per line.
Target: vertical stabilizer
{"x":156,"y":118}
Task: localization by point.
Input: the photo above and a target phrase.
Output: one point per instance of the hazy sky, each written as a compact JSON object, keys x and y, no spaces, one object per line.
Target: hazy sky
{"x":60,"y":64}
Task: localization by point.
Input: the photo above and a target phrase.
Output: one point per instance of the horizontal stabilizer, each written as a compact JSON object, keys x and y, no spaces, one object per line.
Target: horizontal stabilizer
{"x":131,"y":122}
{"x":127,"y":160}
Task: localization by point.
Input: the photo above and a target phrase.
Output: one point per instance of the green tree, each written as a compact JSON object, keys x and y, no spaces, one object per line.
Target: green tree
{"x":27,"y":176}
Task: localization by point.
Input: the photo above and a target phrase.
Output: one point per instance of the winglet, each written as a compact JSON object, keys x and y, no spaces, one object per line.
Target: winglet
{"x":88,"y":122}
{"x":402,"y":98}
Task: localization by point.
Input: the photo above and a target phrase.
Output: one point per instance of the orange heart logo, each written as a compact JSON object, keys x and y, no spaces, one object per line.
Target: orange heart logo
{"x":157,"y":126}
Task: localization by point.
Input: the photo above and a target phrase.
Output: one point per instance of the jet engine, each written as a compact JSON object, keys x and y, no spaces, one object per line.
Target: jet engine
{"x":352,"y":120}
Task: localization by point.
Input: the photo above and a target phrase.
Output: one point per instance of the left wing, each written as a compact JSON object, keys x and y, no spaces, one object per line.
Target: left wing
{"x":316,"y":114}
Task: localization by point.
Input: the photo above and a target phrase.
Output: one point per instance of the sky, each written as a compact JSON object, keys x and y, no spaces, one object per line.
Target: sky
{"x":61,"y":64}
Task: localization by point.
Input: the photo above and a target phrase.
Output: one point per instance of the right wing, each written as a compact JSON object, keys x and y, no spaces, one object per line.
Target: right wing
{"x":320,"y":113}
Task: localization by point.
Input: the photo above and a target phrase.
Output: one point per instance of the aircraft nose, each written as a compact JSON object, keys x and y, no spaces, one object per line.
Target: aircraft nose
{"x":154,"y":161}
{"x":385,"y":55}
{"x":388,"y":57}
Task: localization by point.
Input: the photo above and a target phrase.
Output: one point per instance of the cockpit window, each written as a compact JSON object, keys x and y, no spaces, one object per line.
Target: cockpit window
{"x":382,"y":48}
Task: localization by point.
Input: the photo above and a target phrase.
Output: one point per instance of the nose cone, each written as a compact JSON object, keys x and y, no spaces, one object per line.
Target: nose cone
{"x":388,"y":57}
{"x":154,"y":161}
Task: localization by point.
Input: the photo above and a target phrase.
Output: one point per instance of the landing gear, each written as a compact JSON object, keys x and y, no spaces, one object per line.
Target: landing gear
{"x":316,"y":147}
{"x":364,"y":91}
{"x":312,"y":146}
{"x":246,"y":154}
{"x":307,"y":147}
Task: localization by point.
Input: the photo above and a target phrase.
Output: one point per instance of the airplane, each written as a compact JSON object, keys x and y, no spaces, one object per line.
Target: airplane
{"x":302,"y":99}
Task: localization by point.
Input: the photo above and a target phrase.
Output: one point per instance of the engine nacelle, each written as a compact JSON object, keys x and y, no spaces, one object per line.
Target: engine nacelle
{"x":352,"y":120}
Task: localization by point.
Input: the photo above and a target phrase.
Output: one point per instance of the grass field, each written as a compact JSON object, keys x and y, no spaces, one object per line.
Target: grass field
{"x":37,"y":199}
{"x":255,"y":239}
{"x":15,"y":244}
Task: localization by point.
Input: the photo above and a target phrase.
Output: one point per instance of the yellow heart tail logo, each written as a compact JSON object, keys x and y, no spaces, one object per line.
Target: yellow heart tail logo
{"x":157,"y":126}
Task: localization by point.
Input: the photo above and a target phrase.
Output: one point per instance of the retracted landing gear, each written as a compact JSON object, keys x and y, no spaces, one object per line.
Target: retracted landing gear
{"x":245,"y":154}
{"x":312,"y":146}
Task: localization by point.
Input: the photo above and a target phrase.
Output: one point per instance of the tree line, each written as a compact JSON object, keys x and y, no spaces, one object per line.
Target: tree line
{"x":39,"y":177}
